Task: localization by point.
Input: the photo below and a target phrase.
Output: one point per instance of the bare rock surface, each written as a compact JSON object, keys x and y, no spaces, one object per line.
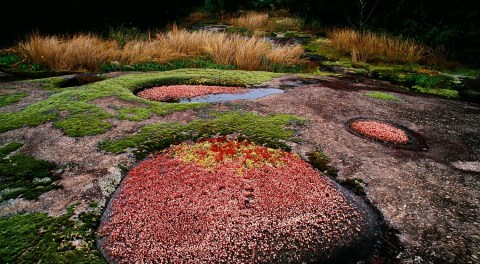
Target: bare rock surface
{"x":431,"y":197}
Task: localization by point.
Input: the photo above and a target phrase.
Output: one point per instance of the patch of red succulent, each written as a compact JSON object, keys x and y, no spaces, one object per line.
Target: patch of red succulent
{"x":226,"y":201}
{"x":381,"y":131}
{"x":175,"y":92}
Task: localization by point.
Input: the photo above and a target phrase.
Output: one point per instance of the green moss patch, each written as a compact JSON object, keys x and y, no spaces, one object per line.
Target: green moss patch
{"x":383,"y":96}
{"x":24,"y":176}
{"x":85,"y":118}
{"x":7,"y":99}
{"x":39,"y":238}
{"x":442,"y":92}
{"x":269,"y":130}
{"x":9,"y":148}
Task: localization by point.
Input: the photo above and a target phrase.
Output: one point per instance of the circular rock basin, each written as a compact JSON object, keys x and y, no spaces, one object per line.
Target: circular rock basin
{"x":232,"y":201}
{"x":387,"y":133}
{"x":203,"y":93}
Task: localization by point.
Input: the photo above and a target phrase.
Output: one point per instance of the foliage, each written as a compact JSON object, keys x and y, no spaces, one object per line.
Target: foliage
{"x":84,"y":118}
{"x":321,"y":161}
{"x":199,"y":62}
{"x":268,"y":130}
{"x":383,"y":96}
{"x":381,"y":131}
{"x":88,"y":52}
{"x":371,"y":47}
{"x":357,"y":185}
{"x":225,"y":201}
{"x":38,"y":238}
{"x":24,"y":176}
{"x":8,"y":59}
{"x":9,"y":148}
{"x":11,"y":98}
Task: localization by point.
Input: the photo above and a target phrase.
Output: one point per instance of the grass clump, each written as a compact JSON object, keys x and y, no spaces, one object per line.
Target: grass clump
{"x":82,"y":52}
{"x":267,"y":130}
{"x":321,"y":161}
{"x":252,"y":21}
{"x":72,"y":111}
{"x":39,"y":238}
{"x":370,"y":47}
{"x":24,"y":176}
{"x":383,"y":96}
{"x":263,"y":24}
{"x":87,"y":52}
{"x":7,"y":99}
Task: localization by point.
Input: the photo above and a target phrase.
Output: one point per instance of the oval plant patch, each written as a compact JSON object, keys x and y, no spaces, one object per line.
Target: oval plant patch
{"x":387,"y":133}
{"x":229,"y":201}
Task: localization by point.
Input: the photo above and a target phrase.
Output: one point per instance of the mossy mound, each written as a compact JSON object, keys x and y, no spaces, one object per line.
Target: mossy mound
{"x":268,"y":130}
{"x":39,"y":238}
{"x":76,"y":107}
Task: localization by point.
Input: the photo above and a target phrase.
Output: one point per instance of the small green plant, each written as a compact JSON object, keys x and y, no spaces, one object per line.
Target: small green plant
{"x":357,"y":185}
{"x":24,"y":176}
{"x":321,"y":161}
{"x":8,"y":59}
{"x":383,"y":96}
{"x":7,"y":99}
{"x":39,"y":238}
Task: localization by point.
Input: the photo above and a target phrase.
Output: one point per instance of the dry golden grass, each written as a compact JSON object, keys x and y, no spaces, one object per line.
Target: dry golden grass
{"x":253,"y":21}
{"x":371,"y":47}
{"x":85,"y":52}
{"x":81,"y":52}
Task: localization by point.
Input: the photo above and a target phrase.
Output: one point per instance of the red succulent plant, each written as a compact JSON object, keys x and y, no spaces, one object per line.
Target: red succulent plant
{"x":175,"y":92}
{"x":223,"y":200}
{"x":381,"y":131}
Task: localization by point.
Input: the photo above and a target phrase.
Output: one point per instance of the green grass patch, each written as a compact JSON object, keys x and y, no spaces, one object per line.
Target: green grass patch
{"x":320,"y":160}
{"x":8,"y":99}
{"x":269,"y":130}
{"x":85,"y":124}
{"x":24,"y":176}
{"x":383,"y":96}
{"x":9,"y":59}
{"x":39,"y":238}
{"x":134,"y":113}
{"x":200,"y":62}
{"x":76,"y":101}
{"x":435,"y":91}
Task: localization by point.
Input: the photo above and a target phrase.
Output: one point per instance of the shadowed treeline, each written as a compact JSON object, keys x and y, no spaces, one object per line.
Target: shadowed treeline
{"x":19,"y":18}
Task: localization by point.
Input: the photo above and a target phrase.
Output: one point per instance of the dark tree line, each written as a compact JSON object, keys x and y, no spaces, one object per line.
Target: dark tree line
{"x":453,"y":24}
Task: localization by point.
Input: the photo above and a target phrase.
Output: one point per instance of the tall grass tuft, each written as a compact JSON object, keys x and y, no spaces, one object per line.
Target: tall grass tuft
{"x":371,"y":47}
{"x":86,"y":52}
{"x":82,"y":52}
{"x":252,"y":21}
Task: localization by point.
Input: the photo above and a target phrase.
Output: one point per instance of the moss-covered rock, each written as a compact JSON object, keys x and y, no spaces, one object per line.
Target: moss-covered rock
{"x":85,"y":118}
{"x":268,"y":130}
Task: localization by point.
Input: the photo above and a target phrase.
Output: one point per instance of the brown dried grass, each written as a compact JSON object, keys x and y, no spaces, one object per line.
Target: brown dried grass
{"x":253,"y":21}
{"x":371,"y":47}
{"x":86,"y":52}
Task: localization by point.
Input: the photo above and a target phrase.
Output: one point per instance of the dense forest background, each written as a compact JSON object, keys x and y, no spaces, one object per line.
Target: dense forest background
{"x":452,"y":24}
